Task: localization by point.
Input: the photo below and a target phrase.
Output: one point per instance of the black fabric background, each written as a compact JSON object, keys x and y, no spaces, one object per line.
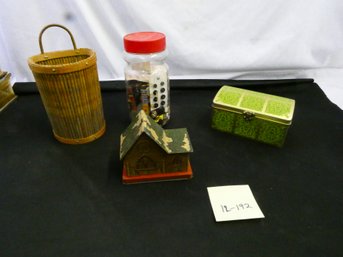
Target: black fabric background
{"x":68,"y":200}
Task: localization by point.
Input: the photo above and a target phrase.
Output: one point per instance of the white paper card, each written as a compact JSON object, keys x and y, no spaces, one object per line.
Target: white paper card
{"x":233,"y":203}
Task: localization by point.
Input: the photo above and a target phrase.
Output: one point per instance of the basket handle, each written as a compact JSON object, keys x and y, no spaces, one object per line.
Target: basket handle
{"x":54,"y":25}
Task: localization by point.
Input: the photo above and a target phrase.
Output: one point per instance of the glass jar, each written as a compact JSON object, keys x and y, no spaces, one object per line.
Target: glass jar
{"x":146,"y":75}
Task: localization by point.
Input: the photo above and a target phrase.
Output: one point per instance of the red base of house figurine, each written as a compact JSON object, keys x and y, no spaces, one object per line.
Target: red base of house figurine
{"x":180,"y":175}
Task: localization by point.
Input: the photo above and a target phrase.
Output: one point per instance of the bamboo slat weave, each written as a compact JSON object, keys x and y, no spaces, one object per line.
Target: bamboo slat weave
{"x":69,"y":88}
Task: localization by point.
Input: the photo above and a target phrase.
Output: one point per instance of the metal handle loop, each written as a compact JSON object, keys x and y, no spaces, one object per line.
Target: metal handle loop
{"x":54,"y":25}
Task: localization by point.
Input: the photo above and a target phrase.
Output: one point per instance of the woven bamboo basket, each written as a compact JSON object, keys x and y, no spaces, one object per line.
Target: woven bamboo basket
{"x":68,"y":84}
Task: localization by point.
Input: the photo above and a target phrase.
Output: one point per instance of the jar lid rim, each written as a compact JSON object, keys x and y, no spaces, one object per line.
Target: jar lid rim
{"x":145,"y":42}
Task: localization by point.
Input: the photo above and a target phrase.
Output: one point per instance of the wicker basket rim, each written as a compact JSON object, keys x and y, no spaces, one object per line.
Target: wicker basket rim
{"x":35,"y":59}
{"x":35,"y":66}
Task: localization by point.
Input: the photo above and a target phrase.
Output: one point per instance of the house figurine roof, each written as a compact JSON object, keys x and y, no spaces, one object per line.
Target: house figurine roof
{"x":170,"y":140}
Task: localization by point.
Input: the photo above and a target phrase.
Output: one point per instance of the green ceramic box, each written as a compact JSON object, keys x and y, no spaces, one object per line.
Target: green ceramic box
{"x":262,"y":117}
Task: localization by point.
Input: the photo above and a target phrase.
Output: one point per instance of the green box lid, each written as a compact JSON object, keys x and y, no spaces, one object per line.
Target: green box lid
{"x":264,"y":106}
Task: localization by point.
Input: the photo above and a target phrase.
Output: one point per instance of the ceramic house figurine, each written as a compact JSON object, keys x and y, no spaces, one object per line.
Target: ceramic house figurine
{"x":151,"y":153}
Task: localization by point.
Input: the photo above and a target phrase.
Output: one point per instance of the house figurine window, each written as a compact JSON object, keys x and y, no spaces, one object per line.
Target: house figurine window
{"x":145,"y":165}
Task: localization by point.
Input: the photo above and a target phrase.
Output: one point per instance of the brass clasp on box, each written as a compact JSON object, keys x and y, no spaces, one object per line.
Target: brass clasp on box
{"x":248,"y":116}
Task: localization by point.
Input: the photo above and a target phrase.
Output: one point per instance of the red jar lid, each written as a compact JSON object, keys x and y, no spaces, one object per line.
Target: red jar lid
{"x":145,"y":42}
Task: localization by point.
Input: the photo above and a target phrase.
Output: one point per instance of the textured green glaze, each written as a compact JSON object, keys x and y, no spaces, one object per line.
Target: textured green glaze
{"x":272,"y":133}
{"x":231,"y":99}
{"x":253,"y":103}
{"x":257,"y":129}
{"x":278,"y":108}
{"x":223,"y":120}
{"x":245,"y":128}
{"x":268,"y":111}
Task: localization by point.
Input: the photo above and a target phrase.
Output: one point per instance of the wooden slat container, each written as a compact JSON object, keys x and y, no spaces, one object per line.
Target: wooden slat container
{"x":69,"y":87}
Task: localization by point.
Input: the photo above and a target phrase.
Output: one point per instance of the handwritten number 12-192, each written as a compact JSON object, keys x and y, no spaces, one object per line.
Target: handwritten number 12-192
{"x":237,"y":207}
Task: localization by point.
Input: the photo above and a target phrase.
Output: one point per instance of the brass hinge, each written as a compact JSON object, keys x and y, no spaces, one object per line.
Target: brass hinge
{"x":248,"y":116}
